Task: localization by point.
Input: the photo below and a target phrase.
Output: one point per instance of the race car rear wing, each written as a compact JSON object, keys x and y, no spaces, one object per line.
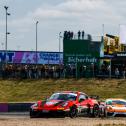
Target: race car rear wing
{"x":94,"y":97}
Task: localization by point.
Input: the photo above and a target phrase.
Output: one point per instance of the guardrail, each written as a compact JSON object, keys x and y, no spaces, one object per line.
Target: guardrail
{"x":15,"y":107}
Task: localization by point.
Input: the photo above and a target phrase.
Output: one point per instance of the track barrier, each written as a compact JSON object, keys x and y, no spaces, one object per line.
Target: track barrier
{"x":15,"y":107}
{"x":3,"y":107}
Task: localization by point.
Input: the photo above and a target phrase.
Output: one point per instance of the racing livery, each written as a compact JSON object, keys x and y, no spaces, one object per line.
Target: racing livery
{"x":66,"y":103}
{"x":114,"y":107}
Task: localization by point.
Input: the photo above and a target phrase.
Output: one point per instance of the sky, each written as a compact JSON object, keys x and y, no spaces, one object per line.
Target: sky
{"x":55,"y":16}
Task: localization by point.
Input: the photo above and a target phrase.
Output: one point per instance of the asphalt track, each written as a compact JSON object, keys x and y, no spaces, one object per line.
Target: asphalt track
{"x":23,"y":119}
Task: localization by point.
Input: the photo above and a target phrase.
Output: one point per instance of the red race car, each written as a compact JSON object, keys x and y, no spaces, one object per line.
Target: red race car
{"x":66,"y":103}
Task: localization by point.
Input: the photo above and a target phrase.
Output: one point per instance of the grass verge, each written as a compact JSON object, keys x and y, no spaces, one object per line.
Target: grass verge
{"x":32,"y":90}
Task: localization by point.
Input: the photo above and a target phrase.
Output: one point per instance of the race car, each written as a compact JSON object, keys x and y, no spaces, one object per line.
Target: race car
{"x":66,"y":103}
{"x":114,"y":107}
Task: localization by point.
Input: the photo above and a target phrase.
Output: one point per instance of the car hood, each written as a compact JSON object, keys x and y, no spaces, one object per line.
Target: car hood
{"x":51,"y":103}
{"x":117,"y":106}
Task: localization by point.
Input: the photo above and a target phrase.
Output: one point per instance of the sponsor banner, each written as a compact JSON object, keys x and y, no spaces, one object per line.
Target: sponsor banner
{"x":19,"y":107}
{"x":123,"y":34}
{"x":123,"y":54}
{"x":3,"y":107}
{"x":80,"y":58}
{"x":31,"y":57}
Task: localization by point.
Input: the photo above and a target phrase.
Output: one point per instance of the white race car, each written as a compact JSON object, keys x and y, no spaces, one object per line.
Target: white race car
{"x":113,"y":107}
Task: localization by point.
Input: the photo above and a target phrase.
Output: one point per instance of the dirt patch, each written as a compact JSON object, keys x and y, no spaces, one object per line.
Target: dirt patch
{"x":59,"y":121}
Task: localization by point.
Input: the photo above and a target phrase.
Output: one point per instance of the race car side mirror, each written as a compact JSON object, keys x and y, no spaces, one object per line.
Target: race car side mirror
{"x":46,"y":98}
{"x":80,"y":100}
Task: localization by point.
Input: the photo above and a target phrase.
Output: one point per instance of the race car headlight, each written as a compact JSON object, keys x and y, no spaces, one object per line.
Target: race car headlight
{"x":64,"y":104}
{"x":109,"y":107}
{"x":35,"y":105}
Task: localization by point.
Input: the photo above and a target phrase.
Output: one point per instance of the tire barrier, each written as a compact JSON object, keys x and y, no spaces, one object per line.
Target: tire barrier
{"x":15,"y":107}
{"x":3,"y":107}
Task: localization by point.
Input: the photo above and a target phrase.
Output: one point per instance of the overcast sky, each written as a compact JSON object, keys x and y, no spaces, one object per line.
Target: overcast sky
{"x":55,"y":16}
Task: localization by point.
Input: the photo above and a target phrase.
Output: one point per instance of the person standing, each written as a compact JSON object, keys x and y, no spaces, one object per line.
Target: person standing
{"x":79,"y":34}
{"x":117,"y":73}
{"x":83,"y":34}
{"x":124,"y":73}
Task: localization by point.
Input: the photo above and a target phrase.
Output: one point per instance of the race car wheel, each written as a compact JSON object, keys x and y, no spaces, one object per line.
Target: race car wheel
{"x":34,"y":114}
{"x":101,"y":113}
{"x":89,"y":111}
{"x":108,"y":114}
{"x":73,"y":112}
{"x":105,"y":114}
{"x":95,"y":111}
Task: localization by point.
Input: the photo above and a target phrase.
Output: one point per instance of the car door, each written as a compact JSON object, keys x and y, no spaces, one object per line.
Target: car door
{"x":82,"y":103}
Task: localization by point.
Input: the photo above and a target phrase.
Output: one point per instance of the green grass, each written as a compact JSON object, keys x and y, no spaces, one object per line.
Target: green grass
{"x":33,"y":90}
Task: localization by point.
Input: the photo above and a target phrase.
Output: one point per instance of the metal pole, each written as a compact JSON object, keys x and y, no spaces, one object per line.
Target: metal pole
{"x":36,"y":42}
{"x":102,"y":47}
{"x":6,"y":8}
{"x":59,"y":54}
{"x":93,"y":69}
{"x":59,"y":46}
{"x":119,"y":36}
{"x":103,"y":30}
{"x":6,"y":35}
{"x":110,"y":71}
{"x":76,"y":68}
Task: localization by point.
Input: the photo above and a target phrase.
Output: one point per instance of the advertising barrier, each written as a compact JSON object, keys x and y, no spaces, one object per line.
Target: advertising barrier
{"x":19,"y":107}
{"x":31,"y":57}
{"x":3,"y":107}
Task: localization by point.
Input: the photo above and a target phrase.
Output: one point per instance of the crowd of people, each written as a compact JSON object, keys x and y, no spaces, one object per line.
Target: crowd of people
{"x":40,"y":71}
{"x":30,"y":71}
{"x":115,"y":71}
{"x":69,"y":35}
{"x":59,"y":71}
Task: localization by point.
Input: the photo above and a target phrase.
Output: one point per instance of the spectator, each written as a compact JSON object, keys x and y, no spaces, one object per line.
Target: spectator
{"x":89,"y":37}
{"x":82,"y":34}
{"x":124,"y":73}
{"x":71,"y":35}
{"x":79,"y":34}
{"x":117,"y":73}
{"x":65,"y":35}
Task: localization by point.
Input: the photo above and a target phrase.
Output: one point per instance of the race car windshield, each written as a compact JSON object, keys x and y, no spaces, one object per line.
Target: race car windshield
{"x":61,"y":96}
{"x":119,"y":102}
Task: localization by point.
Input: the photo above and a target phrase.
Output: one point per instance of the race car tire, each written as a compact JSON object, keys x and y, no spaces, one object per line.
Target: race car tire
{"x":95,"y":111}
{"x":34,"y":114}
{"x":108,"y":114}
{"x":101,"y":112}
{"x":73,"y":112}
{"x":89,"y":111}
{"x":105,"y":114}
